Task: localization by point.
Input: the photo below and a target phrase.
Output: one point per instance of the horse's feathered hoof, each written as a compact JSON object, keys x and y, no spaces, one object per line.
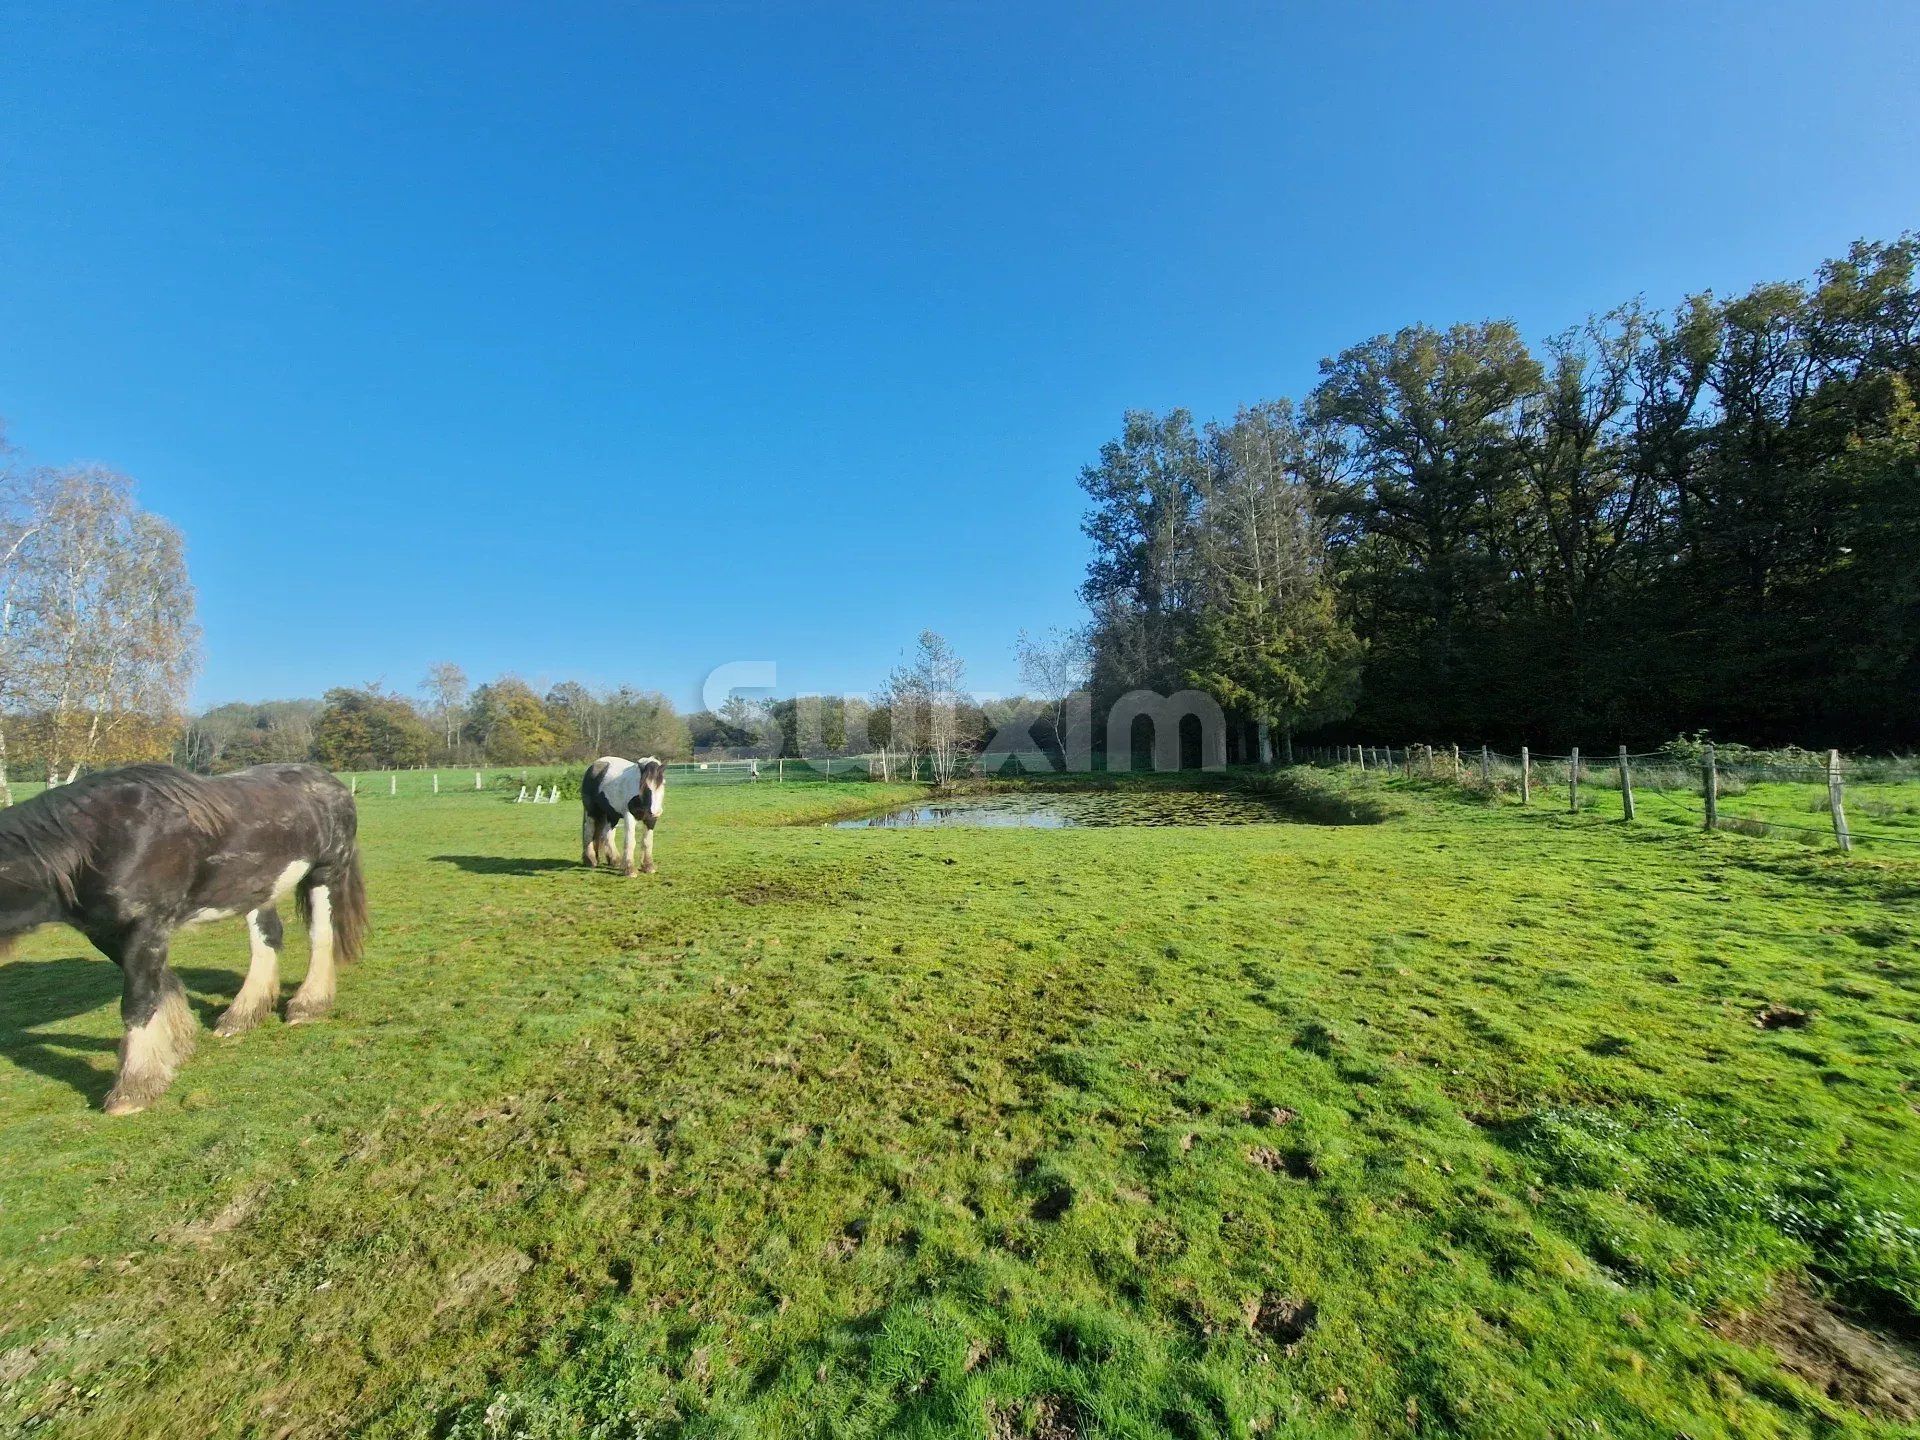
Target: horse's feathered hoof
{"x":305,"y":1012}
{"x":238,"y":1019}
{"x":118,"y":1104}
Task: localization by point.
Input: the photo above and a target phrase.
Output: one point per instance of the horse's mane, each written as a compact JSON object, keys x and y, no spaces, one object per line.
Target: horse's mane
{"x":50,"y":833}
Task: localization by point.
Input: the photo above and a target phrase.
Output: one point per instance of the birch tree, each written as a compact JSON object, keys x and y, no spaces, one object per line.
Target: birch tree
{"x":23,"y":513}
{"x":446,"y":690}
{"x":926,"y":701}
{"x":101,"y":632}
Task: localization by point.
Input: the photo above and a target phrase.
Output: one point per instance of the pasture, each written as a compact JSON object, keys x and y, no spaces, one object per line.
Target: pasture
{"x":1420,"y":1114}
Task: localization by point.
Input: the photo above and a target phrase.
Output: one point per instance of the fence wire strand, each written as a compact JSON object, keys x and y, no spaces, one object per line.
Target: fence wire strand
{"x":1676,"y":782}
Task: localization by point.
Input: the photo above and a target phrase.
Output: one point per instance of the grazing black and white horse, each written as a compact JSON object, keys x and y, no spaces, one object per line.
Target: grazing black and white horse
{"x":128,"y":856}
{"x":614,"y":790}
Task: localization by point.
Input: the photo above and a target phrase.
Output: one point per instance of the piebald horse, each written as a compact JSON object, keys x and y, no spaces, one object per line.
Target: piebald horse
{"x":614,"y":790}
{"x":128,"y":856}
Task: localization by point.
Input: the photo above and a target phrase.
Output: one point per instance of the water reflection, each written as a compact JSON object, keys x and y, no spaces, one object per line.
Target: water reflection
{"x":1041,"y":811}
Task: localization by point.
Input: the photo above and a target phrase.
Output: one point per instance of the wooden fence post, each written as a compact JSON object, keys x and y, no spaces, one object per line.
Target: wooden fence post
{"x":1835,"y":802}
{"x":1710,"y":786}
{"x":1456,"y":764}
{"x":1486,"y":768}
{"x":353,"y":784}
{"x":476,"y":779}
{"x":1409,"y":761}
{"x":1626,"y":787}
{"x":1573,"y":782}
{"x":393,"y":784}
{"x":436,"y":782}
{"x":1526,"y":776}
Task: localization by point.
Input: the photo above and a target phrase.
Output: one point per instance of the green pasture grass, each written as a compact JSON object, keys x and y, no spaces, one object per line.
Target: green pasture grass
{"x":1443,"y":1117}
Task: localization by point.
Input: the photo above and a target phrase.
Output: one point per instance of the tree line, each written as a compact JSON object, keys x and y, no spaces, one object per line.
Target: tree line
{"x":1657,"y":522}
{"x":503,"y":722}
{"x":920,"y":721}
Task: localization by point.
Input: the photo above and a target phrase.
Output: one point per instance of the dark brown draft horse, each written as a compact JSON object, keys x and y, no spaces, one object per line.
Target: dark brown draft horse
{"x":128,"y":856}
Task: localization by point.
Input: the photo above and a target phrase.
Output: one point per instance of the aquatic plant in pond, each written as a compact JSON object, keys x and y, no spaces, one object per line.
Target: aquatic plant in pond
{"x":1057,"y":810}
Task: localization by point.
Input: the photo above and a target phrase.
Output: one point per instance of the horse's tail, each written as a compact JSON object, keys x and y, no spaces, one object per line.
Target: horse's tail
{"x":350,"y":909}
{"x":346,"y":903}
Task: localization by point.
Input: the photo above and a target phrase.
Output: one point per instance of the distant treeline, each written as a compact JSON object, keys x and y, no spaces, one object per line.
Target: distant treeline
{"x":508,"y":722}
{"x":1659,"y":522}
{"x":505,"y":722}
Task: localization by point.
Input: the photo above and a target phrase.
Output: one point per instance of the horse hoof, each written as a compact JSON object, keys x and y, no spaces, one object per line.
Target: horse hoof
{"x":235,"y":1022}
{"x":298,"y":1014}
{"x":117,"y":1104}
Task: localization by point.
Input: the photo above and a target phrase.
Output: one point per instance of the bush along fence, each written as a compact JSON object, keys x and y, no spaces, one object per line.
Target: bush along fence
{"x":1818,"y":797}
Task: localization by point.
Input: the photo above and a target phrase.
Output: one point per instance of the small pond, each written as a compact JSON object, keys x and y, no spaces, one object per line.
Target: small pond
{"x":1039,"y":810}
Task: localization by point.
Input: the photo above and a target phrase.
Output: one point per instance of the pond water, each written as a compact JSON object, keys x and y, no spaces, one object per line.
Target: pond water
{"x":1038,"y":810}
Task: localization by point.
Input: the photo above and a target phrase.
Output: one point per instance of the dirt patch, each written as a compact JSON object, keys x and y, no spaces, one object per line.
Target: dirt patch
{"x":792,"y":891}
{"x":1842,"y":1359}
{"x":1041,"y":1417}
{"x":1279,"y":1318}
{"x":1781,"y":1017}
{"x":23,"y":1360}
{"x":1294,"y":1164}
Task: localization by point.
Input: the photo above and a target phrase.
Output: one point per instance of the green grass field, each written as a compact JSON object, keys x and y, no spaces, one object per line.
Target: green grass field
{"x":1462,"y":1122}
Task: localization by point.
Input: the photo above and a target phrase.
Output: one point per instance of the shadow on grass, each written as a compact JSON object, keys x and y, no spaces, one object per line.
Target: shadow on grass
{"x":507,"y":864}
{"x":43,"y":992}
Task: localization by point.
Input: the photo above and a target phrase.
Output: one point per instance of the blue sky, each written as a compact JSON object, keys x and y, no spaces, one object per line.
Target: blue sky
{"x":620,"y":342}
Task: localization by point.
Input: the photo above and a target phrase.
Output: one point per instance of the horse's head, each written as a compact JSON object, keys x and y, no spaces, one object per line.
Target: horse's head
{"x":651,"y":795}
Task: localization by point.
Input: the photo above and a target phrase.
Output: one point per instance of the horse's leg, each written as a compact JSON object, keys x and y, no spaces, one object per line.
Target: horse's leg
{"x":632,"y":825}
{"x":646,"y":852}
{"x":605,"y":843}
{"x":314,"y":998}
{"x":589,"y":839}
{"x":256,"y":998}
{"x":160,"y":1027}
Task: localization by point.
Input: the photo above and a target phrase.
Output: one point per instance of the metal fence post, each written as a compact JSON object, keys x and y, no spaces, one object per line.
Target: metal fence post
{"x":1526,"y":776}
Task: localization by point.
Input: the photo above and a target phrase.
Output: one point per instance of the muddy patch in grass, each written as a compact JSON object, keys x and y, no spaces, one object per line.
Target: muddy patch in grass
{"x":1279,"y":1318}
{"x":1840,"y":1358}
{"x":792,"y":890}
{"x":1041,"y":1417}
{"x":1294,"y":1164}
{"x":1781,"y":1017}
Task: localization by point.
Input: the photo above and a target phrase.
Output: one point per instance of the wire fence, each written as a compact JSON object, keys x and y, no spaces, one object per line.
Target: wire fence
{"x":552,"y":782}
{"x":1815,"y":799}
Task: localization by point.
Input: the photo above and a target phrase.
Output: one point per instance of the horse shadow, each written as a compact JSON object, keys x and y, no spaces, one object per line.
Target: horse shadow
{"x":34,"y":993}
{"x":507,"y":865}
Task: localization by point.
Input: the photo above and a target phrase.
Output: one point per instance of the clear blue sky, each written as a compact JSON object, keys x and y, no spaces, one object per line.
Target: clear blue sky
{"x":618,"y":342}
